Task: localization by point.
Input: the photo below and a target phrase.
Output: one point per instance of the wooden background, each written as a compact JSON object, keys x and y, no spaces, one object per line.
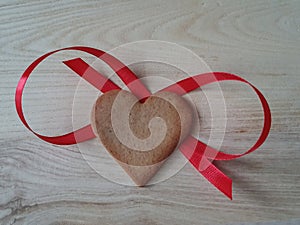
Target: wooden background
{"x":47,"y":184}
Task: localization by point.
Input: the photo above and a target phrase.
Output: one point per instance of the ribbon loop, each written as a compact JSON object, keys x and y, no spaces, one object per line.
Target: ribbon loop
{"x":192,"y":83}
{"x":85,"y":133}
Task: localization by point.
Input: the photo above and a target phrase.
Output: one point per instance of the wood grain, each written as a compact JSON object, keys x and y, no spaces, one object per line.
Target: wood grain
{"x":46,"y":184}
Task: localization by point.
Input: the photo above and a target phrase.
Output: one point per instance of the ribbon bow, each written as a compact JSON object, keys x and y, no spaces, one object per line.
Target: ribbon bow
{"x":198,"y":153}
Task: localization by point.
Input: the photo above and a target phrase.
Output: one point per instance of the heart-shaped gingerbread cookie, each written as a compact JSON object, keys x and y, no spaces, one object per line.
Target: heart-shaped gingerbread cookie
{"x":140,"y":136}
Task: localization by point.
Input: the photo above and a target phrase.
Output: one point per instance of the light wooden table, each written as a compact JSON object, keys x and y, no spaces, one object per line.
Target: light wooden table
{"x":47,"y":184}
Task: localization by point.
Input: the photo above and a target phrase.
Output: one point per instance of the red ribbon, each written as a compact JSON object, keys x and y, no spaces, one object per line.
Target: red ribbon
{"x":198,"y":153}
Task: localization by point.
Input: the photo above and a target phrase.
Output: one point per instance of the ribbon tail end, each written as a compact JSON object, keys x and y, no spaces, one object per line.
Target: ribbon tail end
{"x":228,"y":193}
